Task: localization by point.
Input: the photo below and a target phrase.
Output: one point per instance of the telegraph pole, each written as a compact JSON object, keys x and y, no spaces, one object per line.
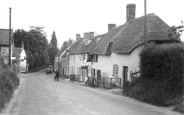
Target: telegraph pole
{"x":10,"y":38}
{"x":145,"y":24}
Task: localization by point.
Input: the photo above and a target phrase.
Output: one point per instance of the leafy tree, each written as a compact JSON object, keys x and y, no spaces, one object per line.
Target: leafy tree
{"x":176,"y":32}
{"x":36,"y":45}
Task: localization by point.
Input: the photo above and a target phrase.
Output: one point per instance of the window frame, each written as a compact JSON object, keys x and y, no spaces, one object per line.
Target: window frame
{"x":115,"y":70}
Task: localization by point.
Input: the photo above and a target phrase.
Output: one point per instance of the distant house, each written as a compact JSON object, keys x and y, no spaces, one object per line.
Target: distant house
{"x":74,"y":58}
{"x":19,"y":55}
{"x":61,"y":59}
{"x":4,"y":43}
{"x":118,"y":51}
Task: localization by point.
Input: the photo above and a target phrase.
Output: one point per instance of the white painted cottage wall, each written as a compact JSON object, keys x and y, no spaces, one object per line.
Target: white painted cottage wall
{"x":23,"y":61}
{"x":105,"y":63}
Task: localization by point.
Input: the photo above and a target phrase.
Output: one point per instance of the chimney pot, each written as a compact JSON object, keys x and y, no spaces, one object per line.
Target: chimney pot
{"x":130,"y":12}
{"x":111,"y":26}
{"x":86,"y":35}
{"x":77,"y":37}
{"x":91,"y":34}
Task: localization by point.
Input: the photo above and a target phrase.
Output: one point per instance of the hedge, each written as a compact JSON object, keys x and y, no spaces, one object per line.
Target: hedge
{"x":8,"y":83}
{"x":161,"y":75}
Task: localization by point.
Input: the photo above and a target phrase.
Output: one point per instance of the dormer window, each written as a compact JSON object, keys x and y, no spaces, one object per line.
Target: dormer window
{"x":98,"y":39}
{"x":86,"y":42}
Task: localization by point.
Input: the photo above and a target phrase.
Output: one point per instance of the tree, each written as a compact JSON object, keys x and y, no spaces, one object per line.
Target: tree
{"x":53,"y":48}
{"x":36,"y":45}
{"x":176,"y":32}
{"x":54,"y":40}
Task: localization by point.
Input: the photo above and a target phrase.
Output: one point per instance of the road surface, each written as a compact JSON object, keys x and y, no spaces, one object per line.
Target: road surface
{"x":39,"y":94}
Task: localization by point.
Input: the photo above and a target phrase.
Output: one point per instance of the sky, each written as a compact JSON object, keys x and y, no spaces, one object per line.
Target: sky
{"x":70,"y":17}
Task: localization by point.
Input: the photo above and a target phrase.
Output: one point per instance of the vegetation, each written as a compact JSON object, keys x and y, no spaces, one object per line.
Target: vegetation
{"x":53,"y":47}
{"x":161,"y":79}
{"x":38,"y":51}
{"x":8,"y":83}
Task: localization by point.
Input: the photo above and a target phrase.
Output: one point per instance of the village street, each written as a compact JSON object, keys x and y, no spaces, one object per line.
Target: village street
{"x":39,"y":94}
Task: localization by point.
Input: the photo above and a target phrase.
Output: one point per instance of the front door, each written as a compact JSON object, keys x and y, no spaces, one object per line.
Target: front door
{"x":125,"y":74}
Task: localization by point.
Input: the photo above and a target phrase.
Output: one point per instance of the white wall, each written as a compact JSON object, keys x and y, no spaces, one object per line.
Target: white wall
{"x":105,"y":63}
{"x":74,"y":61}
{"x":23,"y":61}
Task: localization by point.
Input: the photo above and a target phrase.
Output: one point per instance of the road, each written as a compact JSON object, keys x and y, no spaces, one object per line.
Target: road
{"x":39,"y":94}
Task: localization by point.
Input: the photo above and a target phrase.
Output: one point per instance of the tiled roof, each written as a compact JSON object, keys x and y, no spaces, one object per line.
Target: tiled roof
{"x":4,"y":36}
{"x":131,"y":34}
{"x":16,"y":52}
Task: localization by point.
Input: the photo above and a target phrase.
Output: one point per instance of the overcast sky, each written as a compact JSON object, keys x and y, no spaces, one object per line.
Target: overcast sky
{"x":69,"y":17}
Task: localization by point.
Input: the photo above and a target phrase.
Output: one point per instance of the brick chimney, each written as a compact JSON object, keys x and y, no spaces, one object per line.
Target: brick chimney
{"x":130,"y":12}
{"x":91,"y":34}
{"x":111,"y":26}
{"x":77,"y":37}
{"x":86,"y":35}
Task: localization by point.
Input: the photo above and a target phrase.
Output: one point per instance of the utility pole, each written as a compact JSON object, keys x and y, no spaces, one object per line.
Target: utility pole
{"x":145,"y":24}
{"x":10,"y":38}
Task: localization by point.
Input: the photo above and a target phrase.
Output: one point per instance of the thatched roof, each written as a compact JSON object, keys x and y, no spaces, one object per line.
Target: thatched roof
{"x":131,"y":34}
{"x":61,"y":51}
{"x":80,"y":49}
{"x":93,"y":43}
{"x":75,"y":46}
{"x":102,"y":46}
{"x":4,"y":36}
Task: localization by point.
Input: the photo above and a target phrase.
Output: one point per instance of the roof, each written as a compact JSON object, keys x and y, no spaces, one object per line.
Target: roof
{"x":4,"y":36}
{"x":82,"y":48}
{"x":74,"y":46}
{"x":93,"y":43}
{"x":103,"y":44}
{"x":131,"y":35}
{"x":61,"y":51}
{"x":16,"y":52}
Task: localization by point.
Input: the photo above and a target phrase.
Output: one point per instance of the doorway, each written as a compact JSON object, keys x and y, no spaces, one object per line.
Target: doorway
{"x":125,"y":74}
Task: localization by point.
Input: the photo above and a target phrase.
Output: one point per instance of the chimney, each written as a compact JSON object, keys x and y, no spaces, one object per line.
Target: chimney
{"x":86,"y":35}
{"x":130,"y":12}
{"x":111,"y":26}
{"x":77,"y":37}
{"x":91,"y":34}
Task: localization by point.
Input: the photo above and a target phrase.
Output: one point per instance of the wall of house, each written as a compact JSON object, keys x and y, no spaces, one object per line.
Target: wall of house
{"x":74,"y":63}
{"x":23,"y":61}
{"x":105,"y":63}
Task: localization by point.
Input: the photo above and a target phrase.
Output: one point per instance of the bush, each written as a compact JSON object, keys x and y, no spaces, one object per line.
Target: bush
{"x":8,"y":83}
{"x":161,"y":75}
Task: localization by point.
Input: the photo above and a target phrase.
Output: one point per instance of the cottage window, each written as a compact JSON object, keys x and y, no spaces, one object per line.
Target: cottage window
{"x":115,"y":70}
{"x":98,"y":39}
{"x":95,"y":58}
{"x":83,"y":56}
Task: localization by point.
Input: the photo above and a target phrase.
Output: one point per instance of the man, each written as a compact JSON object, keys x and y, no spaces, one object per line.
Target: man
{"x":56,"y":77}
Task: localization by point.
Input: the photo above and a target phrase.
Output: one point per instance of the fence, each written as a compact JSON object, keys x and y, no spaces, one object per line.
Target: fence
{"x":107,"y":83}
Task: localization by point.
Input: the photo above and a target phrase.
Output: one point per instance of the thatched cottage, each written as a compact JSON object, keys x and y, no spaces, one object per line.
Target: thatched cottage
{"x":118,"y":51}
